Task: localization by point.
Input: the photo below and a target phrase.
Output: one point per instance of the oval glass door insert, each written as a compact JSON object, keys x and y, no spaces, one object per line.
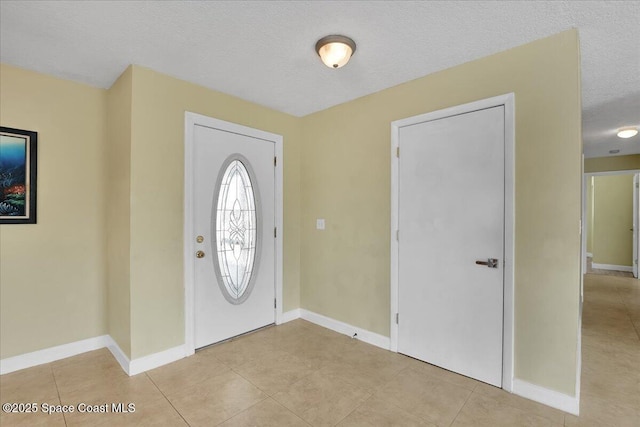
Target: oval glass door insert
{"x":235,"y":228}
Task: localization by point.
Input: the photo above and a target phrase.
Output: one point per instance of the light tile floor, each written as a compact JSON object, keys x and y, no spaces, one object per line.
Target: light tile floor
{"x":299,"y":374}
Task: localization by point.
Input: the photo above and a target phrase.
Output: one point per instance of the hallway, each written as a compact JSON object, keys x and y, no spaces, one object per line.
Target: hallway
{"x":610,"y":384}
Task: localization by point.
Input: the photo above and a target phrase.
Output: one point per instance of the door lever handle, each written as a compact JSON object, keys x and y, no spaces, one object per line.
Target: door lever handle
{"x":491,"y":263}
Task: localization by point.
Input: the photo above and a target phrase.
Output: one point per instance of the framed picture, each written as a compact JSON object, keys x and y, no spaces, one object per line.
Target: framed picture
{"x":18,"y":168}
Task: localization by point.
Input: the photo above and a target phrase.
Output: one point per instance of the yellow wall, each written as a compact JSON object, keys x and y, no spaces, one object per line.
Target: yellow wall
{"x":157,"y":170}
{"x":337,"y":166}
{"x":52,"y":274}
{"x":119,"y":210}
{"x":613,"y":219}
{"x":108,"y":258}
{"x":614,"y":163}
{"x":346,"y":175}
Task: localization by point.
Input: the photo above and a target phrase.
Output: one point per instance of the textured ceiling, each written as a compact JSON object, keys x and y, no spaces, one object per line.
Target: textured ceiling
{"x":263,"y":51}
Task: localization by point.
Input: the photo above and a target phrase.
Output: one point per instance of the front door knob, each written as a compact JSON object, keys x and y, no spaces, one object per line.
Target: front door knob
{"x":199,"y":254}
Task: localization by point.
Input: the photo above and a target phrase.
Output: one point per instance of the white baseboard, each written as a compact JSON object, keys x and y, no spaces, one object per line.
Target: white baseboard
{"x":131,"y":367}
{"x":47,"y":355}
{"x":612,"y":267}
{"x":346,"y":329}
{"x":290,"y":315}
{"x":146,"y":363}
{"x":570,"y":404}
{"x":155,"y":360}
{"x":119,"y":355}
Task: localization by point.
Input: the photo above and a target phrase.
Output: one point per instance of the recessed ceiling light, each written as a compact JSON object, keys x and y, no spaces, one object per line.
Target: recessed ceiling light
{"x":627,"y":132}
{"x":335,"y":51}
{"x":614,"y":151}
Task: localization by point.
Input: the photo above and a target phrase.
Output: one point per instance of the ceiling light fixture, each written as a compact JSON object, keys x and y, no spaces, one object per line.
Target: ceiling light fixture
{"x":335,"y":51}
{"x":627,"y":132}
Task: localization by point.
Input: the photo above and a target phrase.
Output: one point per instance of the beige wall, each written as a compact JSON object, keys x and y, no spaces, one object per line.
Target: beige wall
{"x":52,"y":274}
{"x":613,"y":219}
{"x":346,"y":176}
{"x":108,"y":258}
{"x":337,"y":166}
{"x":119,"y":210}
{"x":613,"y":163}
{"x":157,"y":170}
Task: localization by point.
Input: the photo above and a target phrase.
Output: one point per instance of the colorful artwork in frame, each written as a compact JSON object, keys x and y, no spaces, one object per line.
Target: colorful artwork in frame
{"x":18,"y":168}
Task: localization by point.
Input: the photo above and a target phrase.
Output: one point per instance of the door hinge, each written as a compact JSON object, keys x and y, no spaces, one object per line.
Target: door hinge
{"x":275,"y":232}
{"x":275,"y":161}
{"x":398,"y":235}
{"x":397,"y":318}
{"x":275,"y":303}
{"x":397,"y":151}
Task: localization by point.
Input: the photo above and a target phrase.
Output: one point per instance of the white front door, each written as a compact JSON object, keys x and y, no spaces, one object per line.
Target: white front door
{"x":233,"y":233}
{"x":451,"y":216}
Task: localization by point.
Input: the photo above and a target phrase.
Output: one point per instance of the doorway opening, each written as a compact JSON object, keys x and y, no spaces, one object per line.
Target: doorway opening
{"x":611,"y":216}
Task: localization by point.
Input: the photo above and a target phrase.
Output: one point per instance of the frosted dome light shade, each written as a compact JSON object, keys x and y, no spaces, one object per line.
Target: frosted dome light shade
{"x":627,"y":132}
{"x":335,"y":51}
{"x":335,"y":55}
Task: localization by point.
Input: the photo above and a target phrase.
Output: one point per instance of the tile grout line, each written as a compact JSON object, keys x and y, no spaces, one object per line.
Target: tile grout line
{"x":236,"y":371}
{"x":393,"y":404}
{"x":263,"y":400}
{"x":626,"y":308}
{"x":462,"y":407}
{"x":628,"y":313}
{"x":58,"y":391}
{"x":354,"y":409}
{"x":167,"y":399}
{"x":244,"y":410}
{"x":434,"y":378}
{"x":295,"y":382}
{"x":231,"y":369}
{"x":442,"y":380}
{"x":266,"y":398}
{"x":289,"y":410}
{"x":634,"y":326}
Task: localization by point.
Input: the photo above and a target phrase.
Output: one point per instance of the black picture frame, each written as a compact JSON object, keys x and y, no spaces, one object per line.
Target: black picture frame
{"x":18,"y":175}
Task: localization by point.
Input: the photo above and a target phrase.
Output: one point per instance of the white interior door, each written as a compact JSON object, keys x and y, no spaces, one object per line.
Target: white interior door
{"x":636,"y":222}
{"x":451,"y":213}
{"x":234,"y":221}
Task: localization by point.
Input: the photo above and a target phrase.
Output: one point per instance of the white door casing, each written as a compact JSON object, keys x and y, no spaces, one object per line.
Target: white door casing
{"x":211,"y":313}
{"x":587,"y":176}
{"x":636,"y":223}
{"x":469,"y":204}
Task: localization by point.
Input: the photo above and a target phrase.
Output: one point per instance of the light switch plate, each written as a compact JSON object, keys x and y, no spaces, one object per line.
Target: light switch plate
{"x":320,"y":223}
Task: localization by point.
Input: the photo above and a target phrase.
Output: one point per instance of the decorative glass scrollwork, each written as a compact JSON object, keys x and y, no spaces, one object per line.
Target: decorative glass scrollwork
{"x":236,"y":229}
